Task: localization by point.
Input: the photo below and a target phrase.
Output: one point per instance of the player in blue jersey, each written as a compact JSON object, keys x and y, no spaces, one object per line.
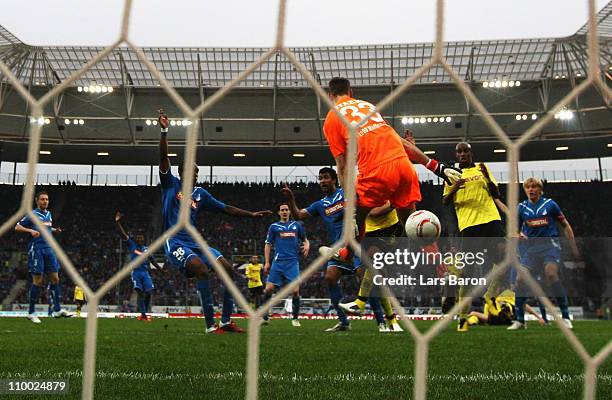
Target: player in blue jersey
{"x":540,"y":246}
{"x":141,"y":277}
{"x":331,"y":210}
{"x":182,"y":250}
{"x":41,"y":258}
{"x":289,"y":241}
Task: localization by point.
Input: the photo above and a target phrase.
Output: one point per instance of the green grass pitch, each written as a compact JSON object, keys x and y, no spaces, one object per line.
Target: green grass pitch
{"x":169,"y":359}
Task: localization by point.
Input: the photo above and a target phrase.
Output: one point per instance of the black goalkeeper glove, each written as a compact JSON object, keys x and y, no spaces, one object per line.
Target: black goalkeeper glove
{"x":449,"y":174}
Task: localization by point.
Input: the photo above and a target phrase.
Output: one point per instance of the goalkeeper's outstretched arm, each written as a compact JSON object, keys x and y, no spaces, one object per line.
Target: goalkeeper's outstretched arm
{"x":449,"y":174}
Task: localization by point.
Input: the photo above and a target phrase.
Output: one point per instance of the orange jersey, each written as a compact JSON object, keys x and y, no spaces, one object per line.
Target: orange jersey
{"x":377,"y":142}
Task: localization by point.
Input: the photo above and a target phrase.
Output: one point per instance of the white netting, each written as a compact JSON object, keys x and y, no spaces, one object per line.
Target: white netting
{"x":422,"y":339}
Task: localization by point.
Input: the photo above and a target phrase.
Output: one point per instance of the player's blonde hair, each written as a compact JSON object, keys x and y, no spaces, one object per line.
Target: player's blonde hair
{"x":533,"y":181}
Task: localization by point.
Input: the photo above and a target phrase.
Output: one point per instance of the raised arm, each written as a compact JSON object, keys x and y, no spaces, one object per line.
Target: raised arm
{"x":305,"y":247}
{"x":414,"y":153}
{"x":122,"y":232}
{"x":164,"y":161}
{"x":449,"y":174}
{"x":296,"y":212}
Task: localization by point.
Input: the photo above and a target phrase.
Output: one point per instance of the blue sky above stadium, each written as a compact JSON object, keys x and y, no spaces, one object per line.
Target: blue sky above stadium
{"x":310,"y":23}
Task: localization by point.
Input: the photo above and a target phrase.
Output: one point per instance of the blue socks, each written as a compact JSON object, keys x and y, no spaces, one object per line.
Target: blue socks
{"x":228,"y":306}
{"x":266,"y":297}
{"x":206,"y":302}
{"x":34,"y":294}
{"x":559,"y":292}
{"x":543,"y":311}
{"x":520,"y":304}
{"x":141,"y":303}
{"x":147,"y":301}
{"x":50,"y":295}
{"x":57,"y":296}
{"x":336,"y":295}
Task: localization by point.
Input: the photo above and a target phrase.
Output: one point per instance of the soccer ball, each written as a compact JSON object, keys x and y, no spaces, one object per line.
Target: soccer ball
{"x":423,"y":225}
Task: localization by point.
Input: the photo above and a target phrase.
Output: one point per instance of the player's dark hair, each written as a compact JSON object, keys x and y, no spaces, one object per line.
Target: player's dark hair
{"x":38,"y":194}
{"x":283,"y":203}
{"x":331,"y":172}
{"x":339,"y":86}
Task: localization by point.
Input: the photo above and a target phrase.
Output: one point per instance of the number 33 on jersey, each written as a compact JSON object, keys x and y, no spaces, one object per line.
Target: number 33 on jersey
{"x":377,"y":141}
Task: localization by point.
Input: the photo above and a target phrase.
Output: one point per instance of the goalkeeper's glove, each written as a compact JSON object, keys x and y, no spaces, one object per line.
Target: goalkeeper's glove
{"x":449,"y":174}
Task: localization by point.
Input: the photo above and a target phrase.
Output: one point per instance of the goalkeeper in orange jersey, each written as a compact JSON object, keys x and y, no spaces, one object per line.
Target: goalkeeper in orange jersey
{"x":414,"y":154}
{"x":386,"y":172}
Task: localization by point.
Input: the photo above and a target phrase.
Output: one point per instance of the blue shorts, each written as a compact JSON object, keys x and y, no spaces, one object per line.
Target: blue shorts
{"x":289,"y":270}
{"x":42,"y":260}
{"x":178,"y":253}
{"x":345,"y":267}
{"x":537,"y":257}
{"x":142,"y":281}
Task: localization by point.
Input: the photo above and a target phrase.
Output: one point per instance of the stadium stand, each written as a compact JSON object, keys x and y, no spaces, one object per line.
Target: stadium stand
{"x":90,"y":239}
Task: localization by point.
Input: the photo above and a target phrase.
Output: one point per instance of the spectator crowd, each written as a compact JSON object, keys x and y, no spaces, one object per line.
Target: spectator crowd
{"x":91,"y":242}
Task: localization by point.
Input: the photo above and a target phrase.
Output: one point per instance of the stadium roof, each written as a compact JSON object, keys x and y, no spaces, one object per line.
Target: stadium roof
{"x":365,"y":65}
{"x":274,"y":112}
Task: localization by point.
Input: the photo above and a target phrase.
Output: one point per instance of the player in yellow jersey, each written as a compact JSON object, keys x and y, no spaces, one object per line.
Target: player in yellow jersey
{"x":79,"y":299}
{"x":447,"y":268}
{"x":473,"y":196}
{"x":476,"y":199}
{"x":501,"y":311}
{"x":255,"y":284}
{"x":384,"y":221}
{"x":331,"y":211}
{"x":381,"y":222}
